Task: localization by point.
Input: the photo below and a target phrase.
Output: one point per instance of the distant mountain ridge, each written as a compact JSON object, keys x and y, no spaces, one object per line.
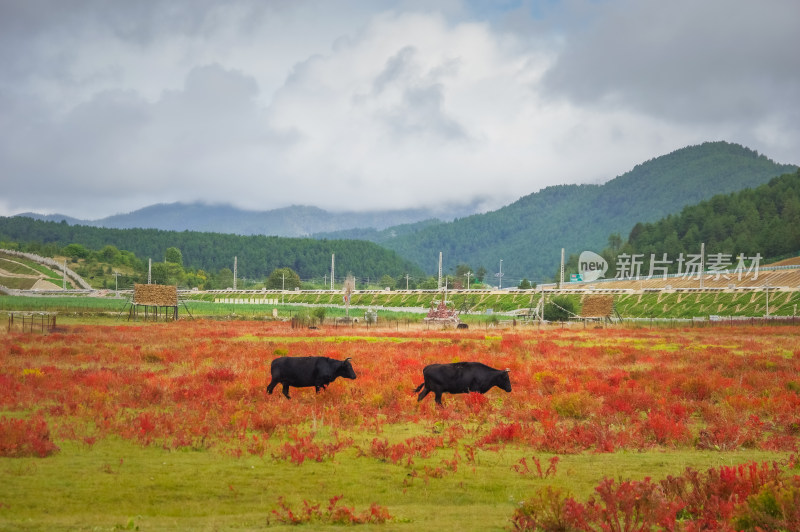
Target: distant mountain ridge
{"x":528,"y":234}
{"x":293,"y":221}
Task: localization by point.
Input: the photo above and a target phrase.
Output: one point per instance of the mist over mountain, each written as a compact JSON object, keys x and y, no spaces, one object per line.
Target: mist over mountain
{"x":293,"y":221}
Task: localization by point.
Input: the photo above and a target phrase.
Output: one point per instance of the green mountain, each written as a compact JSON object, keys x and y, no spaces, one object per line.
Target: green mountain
{"x":257,"y":256}
{"x":764,"y":220}
{"x":528,"y":234}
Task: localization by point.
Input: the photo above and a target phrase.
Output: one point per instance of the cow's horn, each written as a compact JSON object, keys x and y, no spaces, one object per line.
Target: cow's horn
{"x":507,"y":370}
{"x":346,"y":359}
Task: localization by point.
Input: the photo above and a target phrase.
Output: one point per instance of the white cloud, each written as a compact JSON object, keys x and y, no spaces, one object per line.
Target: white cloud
{"x":713,"y":62}
{"x":112,"y":106}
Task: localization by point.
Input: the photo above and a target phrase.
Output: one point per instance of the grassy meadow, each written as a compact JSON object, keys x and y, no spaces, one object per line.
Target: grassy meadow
{"x":167,"y":426}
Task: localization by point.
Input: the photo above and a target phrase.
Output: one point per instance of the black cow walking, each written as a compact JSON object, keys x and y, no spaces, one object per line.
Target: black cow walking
{"x":461,"y":377}
{"x":302,"y":372}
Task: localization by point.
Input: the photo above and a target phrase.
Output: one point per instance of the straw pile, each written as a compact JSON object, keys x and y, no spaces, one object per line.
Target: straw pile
{"x":155,"y":295}
{"x":597,"y":306}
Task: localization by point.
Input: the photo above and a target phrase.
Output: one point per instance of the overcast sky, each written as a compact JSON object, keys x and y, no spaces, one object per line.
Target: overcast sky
{"x":107,"y":106}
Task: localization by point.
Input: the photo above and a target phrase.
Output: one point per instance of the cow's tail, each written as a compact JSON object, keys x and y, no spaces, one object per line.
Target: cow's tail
{"x":418,"y":388}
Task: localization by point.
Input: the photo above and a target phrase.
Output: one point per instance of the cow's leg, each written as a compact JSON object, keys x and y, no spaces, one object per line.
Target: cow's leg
{"x":271,"y":386}
{"x":439,"y":398}
{"x":286,"y":390}
{"x":425,"y":391}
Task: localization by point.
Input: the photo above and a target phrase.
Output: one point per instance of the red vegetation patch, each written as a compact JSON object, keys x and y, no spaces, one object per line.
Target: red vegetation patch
{"x":202,"y":384}
{"x":749,"y":496}
{"x":25,"y":437}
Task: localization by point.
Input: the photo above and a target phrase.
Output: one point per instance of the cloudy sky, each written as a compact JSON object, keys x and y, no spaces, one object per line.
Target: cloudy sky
{"x":107,"y":106}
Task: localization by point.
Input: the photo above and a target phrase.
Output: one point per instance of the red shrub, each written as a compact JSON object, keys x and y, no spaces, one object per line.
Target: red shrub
{"x":748,"y":496}
{"x":522,"y":467}
{"x":305,"y":448}
{"x":334,"y":514}
{"x":502,"y":433}
{"x":631,"y":505}
{"x":25,"y":437}
{"x":548,"y":509}
{"x":475,"y":401}
{"x":666,"y":429}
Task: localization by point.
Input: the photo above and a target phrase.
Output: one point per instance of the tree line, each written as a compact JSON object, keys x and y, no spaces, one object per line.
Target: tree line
{"x":206,"y":259}
{"x":118,"y":258}
{"x":763,"y":221}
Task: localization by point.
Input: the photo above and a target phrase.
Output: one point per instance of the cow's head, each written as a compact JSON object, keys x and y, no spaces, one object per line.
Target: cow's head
{"x":503,"y":381}
{"x":346,"y":370}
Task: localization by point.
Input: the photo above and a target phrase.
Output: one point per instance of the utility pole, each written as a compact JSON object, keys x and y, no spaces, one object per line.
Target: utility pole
{"x":703,"y":265}
{"x":439,"y":284}
{"x":234,"y":271}
{"x":64,"y":283}
{"x":499,"y":276}
{"x":149,"y":270}
{"x":467,"y":276}
{"x":333,"y":261}
{"x":283,"y":285}
{"x":407,"y":277}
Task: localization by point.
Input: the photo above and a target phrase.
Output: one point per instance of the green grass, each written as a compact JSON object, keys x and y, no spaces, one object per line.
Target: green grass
{"x":15,"y":266}
{"x":648,"y":305}
{"x":21,"y":265}
{"x":704,"y":304}
{"x":119,"y":484}
{"x":18,"y":283}
{"x":61,"y":304}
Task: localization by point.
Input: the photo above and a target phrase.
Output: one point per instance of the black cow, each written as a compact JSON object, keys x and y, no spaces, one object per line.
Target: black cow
{"x":461,"y":377}
{"x":302,"y":372}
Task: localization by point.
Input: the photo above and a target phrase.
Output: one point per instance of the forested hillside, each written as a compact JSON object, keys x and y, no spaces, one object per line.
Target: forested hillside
{"x":528,"y":235}
{"x":257,"y":256}
{"x":764,"y":220}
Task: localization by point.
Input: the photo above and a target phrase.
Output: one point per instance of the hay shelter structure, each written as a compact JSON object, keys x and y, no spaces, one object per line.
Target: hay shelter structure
{"x":597,"y":307}
{"x":151,"y":298}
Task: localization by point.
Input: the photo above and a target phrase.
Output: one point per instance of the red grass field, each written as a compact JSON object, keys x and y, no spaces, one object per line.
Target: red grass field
{"x":202,"y":385}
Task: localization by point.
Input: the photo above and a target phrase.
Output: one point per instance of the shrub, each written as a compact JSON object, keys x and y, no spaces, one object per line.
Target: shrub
{"x":775,"y":507}
{"x":575,"y":405}
{"x":334,"y":514}
{"x":25,"y":437}
{"x":546,"y":510}
{"x":319,"y":314}
{"x":747,"y":497}
{"x":559,"y":308}
{"x":502,"y":433}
